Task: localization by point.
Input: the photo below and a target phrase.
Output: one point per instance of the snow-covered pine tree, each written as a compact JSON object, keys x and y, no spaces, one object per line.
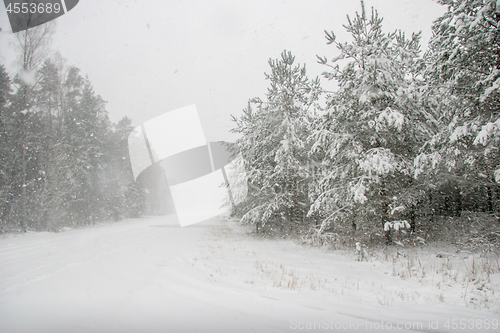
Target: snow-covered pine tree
{"x":123,"y":197}
{"x":57,"y":166}
{"x":274,"y":147}
{"x":372,"y":128}
{"x":7,"y":156}
{"x":25,"y":137}
{"x":463,"y":73}
{"x":32,"y":46}
{"x":86,"y":127}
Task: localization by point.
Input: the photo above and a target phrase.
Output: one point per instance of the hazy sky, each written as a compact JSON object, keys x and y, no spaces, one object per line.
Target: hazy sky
{"x":149,"y":57}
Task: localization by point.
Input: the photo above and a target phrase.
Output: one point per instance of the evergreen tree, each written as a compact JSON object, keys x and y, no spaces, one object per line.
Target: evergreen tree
{"x":275,"y":149}
{"x":85,"y":127}
{"x":25,"y":139}
{"x":372,"y":128}
{"x":57,"y":165}
{"x":6,"y":154}
{"x":463,"y":74}
{"x":124,"y":198}
{"x":25,"y":135}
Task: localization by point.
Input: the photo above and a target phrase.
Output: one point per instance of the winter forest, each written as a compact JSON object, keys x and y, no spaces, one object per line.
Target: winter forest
{"x":404,"y":150}
{"x":63,"y":163}
{"x":372,"y":199}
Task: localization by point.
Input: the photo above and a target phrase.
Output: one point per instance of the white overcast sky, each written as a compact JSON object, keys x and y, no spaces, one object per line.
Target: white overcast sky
{"x":149,"y":57}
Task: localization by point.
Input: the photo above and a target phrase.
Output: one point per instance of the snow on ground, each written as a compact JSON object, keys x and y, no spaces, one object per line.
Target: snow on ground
{"x":150,"y":275}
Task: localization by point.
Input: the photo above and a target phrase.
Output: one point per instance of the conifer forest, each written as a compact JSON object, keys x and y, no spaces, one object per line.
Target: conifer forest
{"x":405,"y":149}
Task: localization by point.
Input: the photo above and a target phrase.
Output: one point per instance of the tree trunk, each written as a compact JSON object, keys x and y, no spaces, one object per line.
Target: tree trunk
{"x":489,"y":199}
{"x":430,"y":206}
{"x":384,"y":205}
{"x":458,"y":206}
{"x":24,"y":212}
{"x":411,"y":217}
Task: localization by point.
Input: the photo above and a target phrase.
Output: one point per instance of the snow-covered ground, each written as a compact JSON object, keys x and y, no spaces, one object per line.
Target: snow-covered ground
{"x":150,"y":275}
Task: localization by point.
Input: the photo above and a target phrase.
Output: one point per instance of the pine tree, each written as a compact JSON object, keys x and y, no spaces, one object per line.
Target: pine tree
{"x":32,"y":46}
{"x":6,"y":154}
{"x":124,"y":198}
{"x":275,"y":149}
{"x":25,"y":138}
{"x":85,"y":131}
{"x":463,"y":74}
{"x":56,"y":166}
{"x":373,"y":126}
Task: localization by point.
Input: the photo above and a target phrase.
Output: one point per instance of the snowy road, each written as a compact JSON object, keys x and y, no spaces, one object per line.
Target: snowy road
{"x":150,"y":275}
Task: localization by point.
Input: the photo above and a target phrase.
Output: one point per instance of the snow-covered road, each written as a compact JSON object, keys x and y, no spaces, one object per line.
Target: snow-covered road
{"x":150,"y":275}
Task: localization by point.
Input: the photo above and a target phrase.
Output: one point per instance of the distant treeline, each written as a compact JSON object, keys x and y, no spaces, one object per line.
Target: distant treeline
{"x":62,"y":162}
